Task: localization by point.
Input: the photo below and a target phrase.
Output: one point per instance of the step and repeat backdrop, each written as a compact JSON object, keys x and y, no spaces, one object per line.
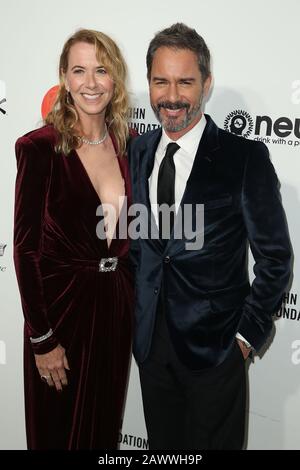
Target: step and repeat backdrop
{"x":255,"y":93}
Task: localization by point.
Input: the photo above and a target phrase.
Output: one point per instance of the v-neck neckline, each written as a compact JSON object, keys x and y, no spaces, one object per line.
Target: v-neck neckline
{"x":93,"y":189}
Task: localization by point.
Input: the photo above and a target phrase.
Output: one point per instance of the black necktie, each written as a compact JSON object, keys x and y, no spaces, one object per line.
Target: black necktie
{"x":166,"y":188}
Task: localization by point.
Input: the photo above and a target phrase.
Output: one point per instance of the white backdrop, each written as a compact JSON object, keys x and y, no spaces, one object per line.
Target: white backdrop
{"x":256,"y":75}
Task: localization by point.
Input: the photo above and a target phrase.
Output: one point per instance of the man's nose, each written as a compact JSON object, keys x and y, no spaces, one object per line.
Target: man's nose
{"x":172,"y":93}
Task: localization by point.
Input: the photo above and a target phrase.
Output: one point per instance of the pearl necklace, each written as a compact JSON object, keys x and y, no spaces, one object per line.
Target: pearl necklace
{"x":84,"y":140}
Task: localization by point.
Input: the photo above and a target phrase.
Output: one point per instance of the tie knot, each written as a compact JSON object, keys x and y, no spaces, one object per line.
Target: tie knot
{"x":172,"y":148}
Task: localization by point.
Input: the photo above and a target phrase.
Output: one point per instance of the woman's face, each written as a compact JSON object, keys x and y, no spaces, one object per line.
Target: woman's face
{"x":88,"y":81}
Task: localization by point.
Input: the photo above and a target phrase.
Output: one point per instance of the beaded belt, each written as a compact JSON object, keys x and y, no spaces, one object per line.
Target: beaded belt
{"x":108,"y":264}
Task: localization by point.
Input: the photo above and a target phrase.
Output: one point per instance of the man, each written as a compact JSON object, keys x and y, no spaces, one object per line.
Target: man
{"x":197,"y":318}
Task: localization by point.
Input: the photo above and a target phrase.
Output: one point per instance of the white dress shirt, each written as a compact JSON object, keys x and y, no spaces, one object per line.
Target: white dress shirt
{"x":183,"y":160}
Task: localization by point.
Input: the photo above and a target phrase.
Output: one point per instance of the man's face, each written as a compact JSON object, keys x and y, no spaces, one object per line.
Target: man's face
{"x":176,"y":90}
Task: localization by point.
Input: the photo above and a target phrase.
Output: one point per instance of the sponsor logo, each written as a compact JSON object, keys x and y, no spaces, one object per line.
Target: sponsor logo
{"x":133,"y":441}
{"x":2,"y":97}
{"x":289,"y":309}
{"x":2,"y":249}
{"x":48,"y":101}
{"x":239,"y":122}
{"x":139,"y":120}
{"x":1,"y":109}
{"x":281,"y":130}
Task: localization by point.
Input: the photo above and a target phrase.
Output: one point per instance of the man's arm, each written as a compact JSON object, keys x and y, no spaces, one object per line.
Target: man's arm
{"x":269,"y":242}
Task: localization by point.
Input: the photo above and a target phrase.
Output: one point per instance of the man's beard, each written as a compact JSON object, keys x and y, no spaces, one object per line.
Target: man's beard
{"x":170,"y":123}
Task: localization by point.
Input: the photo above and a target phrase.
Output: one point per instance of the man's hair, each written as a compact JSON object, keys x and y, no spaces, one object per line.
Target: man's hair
{"x":180,"y":36}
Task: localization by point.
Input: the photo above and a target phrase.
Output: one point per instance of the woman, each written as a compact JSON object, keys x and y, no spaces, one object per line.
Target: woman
{"x":76,"y":285}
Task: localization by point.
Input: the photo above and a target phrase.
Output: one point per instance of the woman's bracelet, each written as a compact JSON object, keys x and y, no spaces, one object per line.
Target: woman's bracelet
{"x":42,"y":338}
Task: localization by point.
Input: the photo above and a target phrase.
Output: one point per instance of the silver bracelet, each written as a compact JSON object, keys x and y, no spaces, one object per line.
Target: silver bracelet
{"x":42,"y":338}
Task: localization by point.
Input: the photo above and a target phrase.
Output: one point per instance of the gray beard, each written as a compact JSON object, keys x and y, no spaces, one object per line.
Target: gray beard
{"x":170,"y":124}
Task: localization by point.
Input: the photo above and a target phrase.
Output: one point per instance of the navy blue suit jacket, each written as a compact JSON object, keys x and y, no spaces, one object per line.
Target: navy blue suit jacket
{"x":207,"y":293}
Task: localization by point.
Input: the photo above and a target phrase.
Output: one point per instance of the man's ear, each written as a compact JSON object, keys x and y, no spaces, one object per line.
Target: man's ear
{"x":207,"y":85}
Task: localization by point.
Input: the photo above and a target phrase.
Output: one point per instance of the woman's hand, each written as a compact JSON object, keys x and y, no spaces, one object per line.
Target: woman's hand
{"x":52,"y":367}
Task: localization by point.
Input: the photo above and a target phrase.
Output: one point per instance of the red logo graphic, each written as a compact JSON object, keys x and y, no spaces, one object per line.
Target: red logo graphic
{"x":48,"y":100}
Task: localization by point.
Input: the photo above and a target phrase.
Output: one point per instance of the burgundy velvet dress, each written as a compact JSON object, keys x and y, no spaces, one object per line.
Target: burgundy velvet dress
{"x":57,"y":254}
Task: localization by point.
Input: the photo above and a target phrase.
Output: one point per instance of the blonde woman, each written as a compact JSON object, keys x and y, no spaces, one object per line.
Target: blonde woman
{"x":75,"y":280}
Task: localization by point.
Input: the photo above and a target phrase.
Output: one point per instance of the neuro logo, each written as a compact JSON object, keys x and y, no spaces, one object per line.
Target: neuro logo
{"x":2,"y":249}
{"x":49,"y":100}
{"x":239,"y":122}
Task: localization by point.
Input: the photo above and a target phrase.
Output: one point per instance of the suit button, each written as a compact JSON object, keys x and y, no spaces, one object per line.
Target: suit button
{"x":167,"y":259}
{"x":156,"y":290}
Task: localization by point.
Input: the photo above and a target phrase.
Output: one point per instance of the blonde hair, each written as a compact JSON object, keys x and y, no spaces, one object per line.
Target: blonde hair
{"x":64,"y":116}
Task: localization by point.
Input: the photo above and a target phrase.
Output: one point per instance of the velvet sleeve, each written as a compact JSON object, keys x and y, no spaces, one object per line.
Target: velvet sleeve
{"x":33,"y":171}
{"x":270,"y":245}
{"x":134,"y":249}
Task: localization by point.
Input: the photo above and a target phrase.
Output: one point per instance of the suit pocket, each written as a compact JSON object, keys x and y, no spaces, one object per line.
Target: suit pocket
{"x":223,"y":201}
{"x":238,"y":352}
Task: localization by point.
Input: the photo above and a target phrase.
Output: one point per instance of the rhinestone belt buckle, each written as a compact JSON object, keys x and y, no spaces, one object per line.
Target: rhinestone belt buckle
{"x":108,"y":264}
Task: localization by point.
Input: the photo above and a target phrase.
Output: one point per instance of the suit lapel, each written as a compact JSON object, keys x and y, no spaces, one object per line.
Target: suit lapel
{"x":146,"y":161}
{"x":202,"y":165}
{"x":199,"y":176}
{"x":147,"y":157}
